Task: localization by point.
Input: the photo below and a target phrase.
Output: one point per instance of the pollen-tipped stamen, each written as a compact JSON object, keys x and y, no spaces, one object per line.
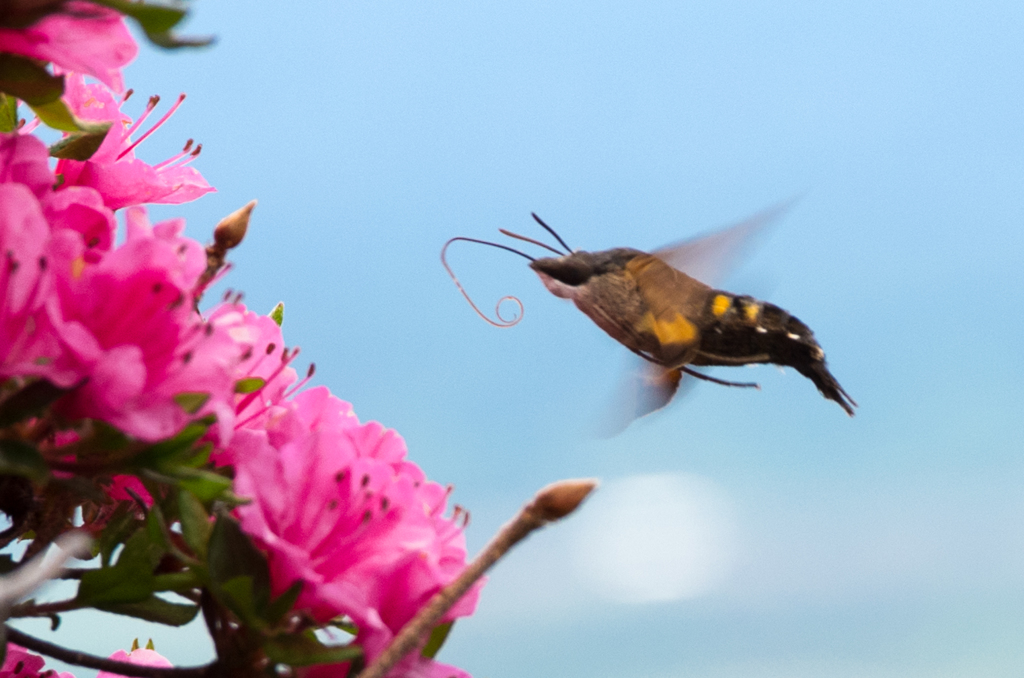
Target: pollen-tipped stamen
{"x":174,"y":158}
{"x":150,"y":105}
{"x":161,"y":121}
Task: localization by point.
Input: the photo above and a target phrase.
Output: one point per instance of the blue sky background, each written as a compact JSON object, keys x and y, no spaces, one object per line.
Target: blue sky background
{"x":738,"y":533}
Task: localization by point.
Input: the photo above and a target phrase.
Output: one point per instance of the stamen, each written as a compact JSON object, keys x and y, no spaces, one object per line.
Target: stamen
{"x":150,"y":105}
{"x":184,"y":152}
{"x":168,"y":114}
{"x":286,"y":358}
{"x":191,"y":156}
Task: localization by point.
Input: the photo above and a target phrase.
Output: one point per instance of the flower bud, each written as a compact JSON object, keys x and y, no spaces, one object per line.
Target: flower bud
{"x":559,"y":499}
{"x":231,"y":229}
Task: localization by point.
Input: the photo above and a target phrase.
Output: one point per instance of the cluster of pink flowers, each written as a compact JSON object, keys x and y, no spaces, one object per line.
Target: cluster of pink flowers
{"x":20,"y":663}
{"x":117,"y":321}
{"x":335,"y":503}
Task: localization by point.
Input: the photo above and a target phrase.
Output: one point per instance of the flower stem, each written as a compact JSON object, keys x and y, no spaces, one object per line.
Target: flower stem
{"x":28,"y":609}
{"x":550,"y":504}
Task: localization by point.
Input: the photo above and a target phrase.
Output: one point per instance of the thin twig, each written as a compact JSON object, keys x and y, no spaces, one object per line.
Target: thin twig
{"x":30,"y":609}
{"x":94,"y":662}
{"x":552,"y":503}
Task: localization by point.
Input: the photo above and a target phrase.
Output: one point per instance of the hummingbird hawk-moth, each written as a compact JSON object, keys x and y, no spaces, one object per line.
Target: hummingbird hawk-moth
{"x":655,"y":305}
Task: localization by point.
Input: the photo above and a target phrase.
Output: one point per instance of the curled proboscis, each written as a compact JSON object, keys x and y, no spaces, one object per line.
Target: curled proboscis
{"x":501,"y":321}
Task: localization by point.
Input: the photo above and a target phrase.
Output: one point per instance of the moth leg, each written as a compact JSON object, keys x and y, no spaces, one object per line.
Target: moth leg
{"x":723,"y":382}
{"x":710,"y":359}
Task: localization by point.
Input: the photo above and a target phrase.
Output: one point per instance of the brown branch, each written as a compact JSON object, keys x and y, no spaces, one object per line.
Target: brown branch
{"x":94,"y":662}
{"x":30,"y":609}
{"x":550,"y":504}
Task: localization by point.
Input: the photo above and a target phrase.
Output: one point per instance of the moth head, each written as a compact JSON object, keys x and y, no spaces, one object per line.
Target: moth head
{"x":561,"y":274}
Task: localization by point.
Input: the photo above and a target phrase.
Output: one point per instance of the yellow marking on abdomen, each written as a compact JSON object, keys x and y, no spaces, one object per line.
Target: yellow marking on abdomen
{"x":752,"y":311}
{"x":720,"y":304}
{"x":679,"y":330}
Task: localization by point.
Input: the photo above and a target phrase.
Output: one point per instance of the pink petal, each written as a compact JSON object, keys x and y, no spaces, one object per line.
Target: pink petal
{"x":84,"y":37}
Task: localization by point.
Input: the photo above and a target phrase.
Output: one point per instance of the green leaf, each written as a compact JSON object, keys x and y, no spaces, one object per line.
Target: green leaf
{"x":249,"y":384}
{"x":303,"y":649}
{"x":121,"y":524}
{"x":205,"y":485}
{"x":157,"y":533}
{"x":57,"y":115}
{"x":239,"y":574}
{"x":110,"y":585}
{"x":436,"y":639}
{"x":21,"y":459}
{"x":239,"y":595}
{"x":178,"y":581}
{"x":8,"y":113}
{"x":162,"y":454}
{"x":155,"y":18}
{"x":191,"y":402}
{"x":281,"y":605}
{"x":27,"y":80}
{"x":195,"y":523}
{"x":79,"y":145}
{"x":156,"y":21}
{"x":154,"y":609}
{"x":277,"y":315}
{"x":201,"y":455}
{"x":130,"y":580}
{"x":29,"y":401}
{"x":106,"y":437}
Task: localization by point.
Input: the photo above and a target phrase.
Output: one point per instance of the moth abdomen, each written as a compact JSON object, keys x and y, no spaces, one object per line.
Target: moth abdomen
{"x":740,"y":330}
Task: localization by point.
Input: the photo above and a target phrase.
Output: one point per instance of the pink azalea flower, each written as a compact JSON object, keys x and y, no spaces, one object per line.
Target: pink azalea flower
{"x":337,"y":505}
{"x":139,"y":657}
{"x":151,"y":357}
{"x":113,"y":170}
{"x":25,"y":340}
{"x":32,"y":218}
{"x":25,"y":160}
{"x":20,"y":663}
{"x":80,"y":37}
{"x":264,"y":369}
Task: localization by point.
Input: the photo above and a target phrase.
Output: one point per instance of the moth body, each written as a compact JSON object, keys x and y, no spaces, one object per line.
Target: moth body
{"x":672,"y":319}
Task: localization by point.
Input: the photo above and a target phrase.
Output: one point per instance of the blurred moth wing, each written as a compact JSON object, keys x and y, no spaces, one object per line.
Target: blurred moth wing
{"x":710,"y":257}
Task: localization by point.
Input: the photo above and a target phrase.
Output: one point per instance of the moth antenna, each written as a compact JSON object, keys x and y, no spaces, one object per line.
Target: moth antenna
{"x":497,"y":307}
{"x":723,"y":382}
{"x":549,"y":248}
{"x":551,"y":231}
